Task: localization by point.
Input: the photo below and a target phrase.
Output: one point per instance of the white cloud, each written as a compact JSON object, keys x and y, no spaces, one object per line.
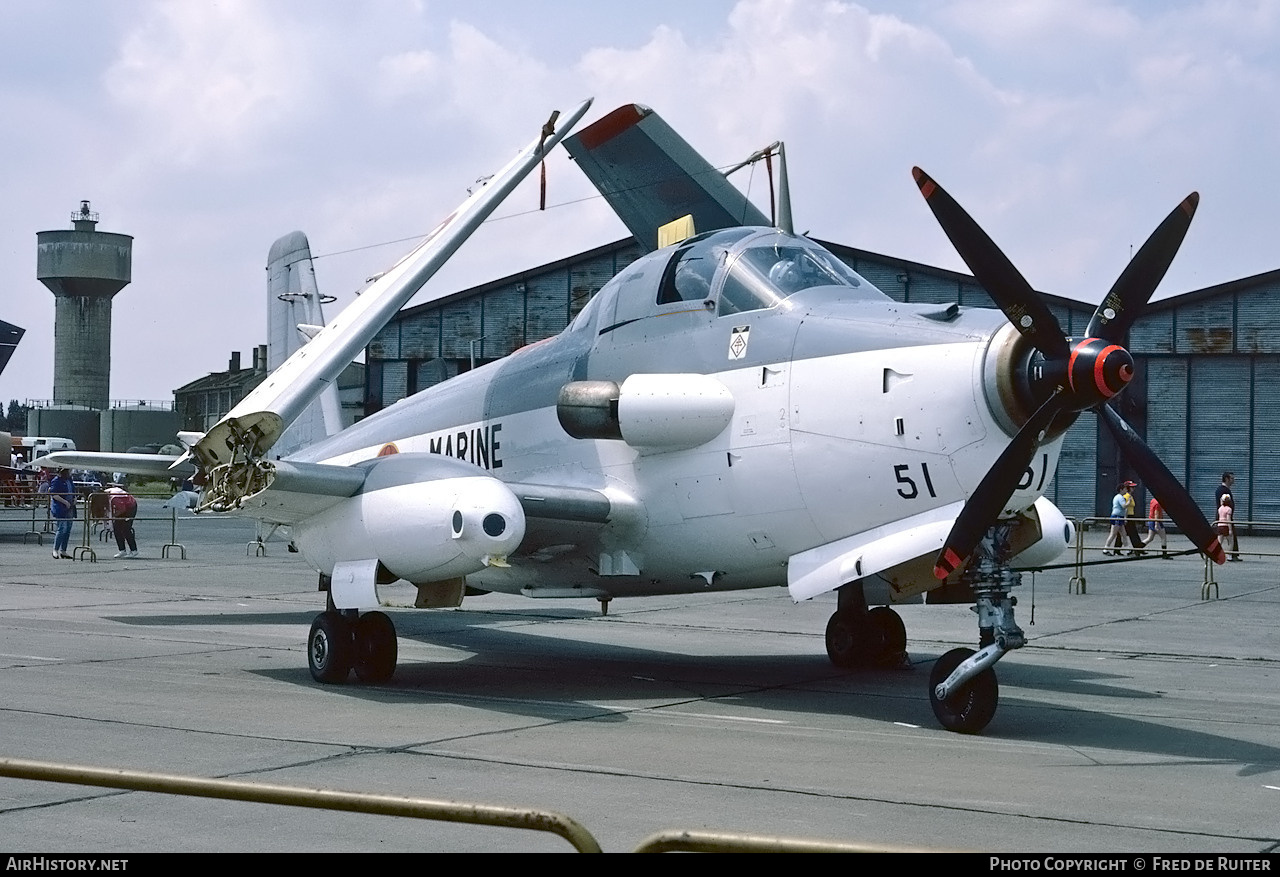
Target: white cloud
{"x":209,"y":82}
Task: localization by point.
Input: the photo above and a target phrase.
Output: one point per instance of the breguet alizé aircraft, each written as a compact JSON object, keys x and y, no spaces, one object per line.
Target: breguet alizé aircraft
{"x":737,"y":409}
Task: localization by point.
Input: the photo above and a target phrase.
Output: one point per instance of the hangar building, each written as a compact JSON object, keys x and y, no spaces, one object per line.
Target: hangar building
{"x":1206,"y":397}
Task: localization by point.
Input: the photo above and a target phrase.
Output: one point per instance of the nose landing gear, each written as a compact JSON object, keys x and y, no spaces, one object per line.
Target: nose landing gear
{"x":963,"y":690}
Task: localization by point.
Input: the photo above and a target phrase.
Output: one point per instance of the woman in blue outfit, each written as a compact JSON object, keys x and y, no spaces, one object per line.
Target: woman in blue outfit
{"x":62,"y":507}
{"x":1119,"y":504}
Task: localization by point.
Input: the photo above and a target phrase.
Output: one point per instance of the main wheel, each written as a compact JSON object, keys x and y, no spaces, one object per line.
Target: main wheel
{"x":375,"y":648}
{"x":886,"y":635}
{"x":329,"y":648}
{"x":970,"y":707}
{"x":846,"y":640}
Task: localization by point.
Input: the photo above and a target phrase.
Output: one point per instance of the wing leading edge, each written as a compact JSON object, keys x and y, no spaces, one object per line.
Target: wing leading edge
{"x":233,"y":451}
{"x":903,"y":550}
{"x":250,"y":429}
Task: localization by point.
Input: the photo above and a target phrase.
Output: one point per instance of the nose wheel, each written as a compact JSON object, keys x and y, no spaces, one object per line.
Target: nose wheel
{"x":968,"y":707}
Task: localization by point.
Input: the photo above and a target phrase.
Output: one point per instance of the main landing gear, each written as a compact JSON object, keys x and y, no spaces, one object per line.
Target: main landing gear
{"x":862,"y":637}
{"x":962,"y":686}
{"x":963,"y":690}
{"x":341,"y":642}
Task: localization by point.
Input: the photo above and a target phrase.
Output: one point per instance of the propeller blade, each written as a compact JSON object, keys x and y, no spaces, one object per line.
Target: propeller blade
{"x":1133,"y":288}
{"x":1006,"y":286}
{"x":1001,"y":480}
{"x":1163,"y":485}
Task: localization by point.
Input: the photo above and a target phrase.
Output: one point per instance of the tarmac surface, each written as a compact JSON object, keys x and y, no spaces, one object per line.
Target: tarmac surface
{"x":1139,"y":718}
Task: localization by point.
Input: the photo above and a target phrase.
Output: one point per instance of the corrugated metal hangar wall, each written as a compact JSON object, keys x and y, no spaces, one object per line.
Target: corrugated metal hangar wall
{"x":1206,"y":397}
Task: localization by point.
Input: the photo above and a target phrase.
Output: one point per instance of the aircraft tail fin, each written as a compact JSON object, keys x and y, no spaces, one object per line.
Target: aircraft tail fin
{"x":10,"y":335}
{"x":295,"y":315}
{"x":650,"y":176}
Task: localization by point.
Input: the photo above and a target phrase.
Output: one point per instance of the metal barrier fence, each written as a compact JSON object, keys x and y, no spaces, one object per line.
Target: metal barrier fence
{"x":30,"y":507}
{"x":27,"y":507}
{"x":33,"y":509}
{"x":1077,"y":584}
{"x":415,"y":808}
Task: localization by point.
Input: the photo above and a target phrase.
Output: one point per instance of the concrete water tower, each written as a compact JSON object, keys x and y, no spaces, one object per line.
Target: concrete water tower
{"x":83,"y":268}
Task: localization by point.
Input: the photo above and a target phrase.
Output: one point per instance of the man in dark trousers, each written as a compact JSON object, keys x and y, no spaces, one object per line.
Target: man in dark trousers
{"x":1228,"y":482}
{"x":1130,"y":517}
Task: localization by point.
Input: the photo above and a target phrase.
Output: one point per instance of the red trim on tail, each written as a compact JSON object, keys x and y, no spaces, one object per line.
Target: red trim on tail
{"x":610,"y":126}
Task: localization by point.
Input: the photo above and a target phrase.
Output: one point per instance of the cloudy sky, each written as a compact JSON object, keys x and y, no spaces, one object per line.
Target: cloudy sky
{"x":1068,"y":128}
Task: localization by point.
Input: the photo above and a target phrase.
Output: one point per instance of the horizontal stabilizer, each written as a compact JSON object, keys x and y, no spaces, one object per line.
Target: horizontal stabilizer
{"x":650,"y":176}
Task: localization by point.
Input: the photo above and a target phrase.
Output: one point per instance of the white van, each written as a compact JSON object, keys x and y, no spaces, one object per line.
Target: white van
{"x":33,"y":447}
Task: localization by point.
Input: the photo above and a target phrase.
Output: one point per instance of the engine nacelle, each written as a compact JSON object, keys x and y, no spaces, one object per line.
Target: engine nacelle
{"x":426,"y":518}
{"x":654,"y":412}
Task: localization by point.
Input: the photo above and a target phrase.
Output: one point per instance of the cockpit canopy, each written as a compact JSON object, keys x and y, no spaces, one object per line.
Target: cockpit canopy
{"x":767,"y":268}
{"x":744,"y":269}
{"x":728,"y":272}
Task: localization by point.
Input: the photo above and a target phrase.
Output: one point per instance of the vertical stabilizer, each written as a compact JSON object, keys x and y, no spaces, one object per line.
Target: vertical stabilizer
{"x":650,"y":176}
{"x":295,"y":309}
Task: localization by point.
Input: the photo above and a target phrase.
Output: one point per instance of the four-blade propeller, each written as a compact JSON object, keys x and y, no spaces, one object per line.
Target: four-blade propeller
{"x":1086,"y":373}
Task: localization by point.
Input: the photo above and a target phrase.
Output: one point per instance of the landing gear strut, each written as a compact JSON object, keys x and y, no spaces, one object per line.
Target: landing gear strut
{"x":962,"y":686}
{"x":340,"y":642}
{"x":862,"y":637}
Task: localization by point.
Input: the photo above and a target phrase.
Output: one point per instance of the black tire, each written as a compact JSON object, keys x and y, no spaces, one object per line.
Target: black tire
{"x":329,"y":648}
{"x":375,"y":648}
{"x":846,"y":640}
{"x":971,"y":706}
{"x":886,"y":635}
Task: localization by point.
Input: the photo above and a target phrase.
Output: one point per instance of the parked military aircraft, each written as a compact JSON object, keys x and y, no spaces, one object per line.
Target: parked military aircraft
{"x":736,"y":410}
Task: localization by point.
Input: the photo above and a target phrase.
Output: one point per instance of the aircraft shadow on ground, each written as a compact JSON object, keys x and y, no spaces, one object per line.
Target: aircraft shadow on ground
{"x":1033,"y":721}
{"x":562,"y":677}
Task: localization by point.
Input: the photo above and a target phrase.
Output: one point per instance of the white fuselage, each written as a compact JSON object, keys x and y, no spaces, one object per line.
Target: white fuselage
{"x":842,"y":412}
